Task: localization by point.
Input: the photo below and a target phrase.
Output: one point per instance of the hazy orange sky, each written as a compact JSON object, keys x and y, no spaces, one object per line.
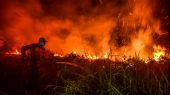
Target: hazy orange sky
{"x":92,"y":26}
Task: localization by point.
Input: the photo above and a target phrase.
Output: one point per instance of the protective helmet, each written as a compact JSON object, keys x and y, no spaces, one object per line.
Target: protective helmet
{"x":42,"y":41}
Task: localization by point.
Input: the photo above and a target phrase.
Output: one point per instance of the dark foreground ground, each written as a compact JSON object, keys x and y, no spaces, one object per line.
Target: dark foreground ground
{"x":73,"y":75}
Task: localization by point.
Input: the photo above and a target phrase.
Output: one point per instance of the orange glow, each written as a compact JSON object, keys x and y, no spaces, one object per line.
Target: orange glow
{"x":16,"y":52}
{"x":158,"y":52}
{"x":93,"y":31}
{"x":92,"y":57}
{"x":106,"y":56}
{"x":56,"y":54}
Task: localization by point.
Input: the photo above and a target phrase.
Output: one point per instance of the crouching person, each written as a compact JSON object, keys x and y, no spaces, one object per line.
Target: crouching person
{"x":32,"y":54}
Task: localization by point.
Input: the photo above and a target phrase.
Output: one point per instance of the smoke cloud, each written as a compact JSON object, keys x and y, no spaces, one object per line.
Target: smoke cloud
{"x":88,"y":26}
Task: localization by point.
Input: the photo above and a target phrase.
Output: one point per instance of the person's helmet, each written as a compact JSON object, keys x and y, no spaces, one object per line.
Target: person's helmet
{"x":42,"y":41}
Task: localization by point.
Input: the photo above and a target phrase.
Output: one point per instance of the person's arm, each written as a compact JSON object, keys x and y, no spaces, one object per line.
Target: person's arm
{"x":24,"y":49}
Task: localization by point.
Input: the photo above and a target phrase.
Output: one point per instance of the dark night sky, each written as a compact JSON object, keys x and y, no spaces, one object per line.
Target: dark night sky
{"x":53,"y":8}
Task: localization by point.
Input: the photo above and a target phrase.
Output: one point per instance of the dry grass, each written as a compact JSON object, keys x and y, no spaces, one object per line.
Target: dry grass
{"x":73,"y":75}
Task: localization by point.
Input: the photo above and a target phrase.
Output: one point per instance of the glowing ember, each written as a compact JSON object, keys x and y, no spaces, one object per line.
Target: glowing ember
{"x":106,"y":56}
{"x":57,"y":55}
{"x":74,"y":52}
{"x":16,"y":52}
{"x":158,"y":53}
{"x":92,"y":57}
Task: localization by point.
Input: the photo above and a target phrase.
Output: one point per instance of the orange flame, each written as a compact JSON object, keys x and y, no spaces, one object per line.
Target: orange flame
{"x":122,"y":29}
{"x":15,"y":52}
{"x":158,"y":53}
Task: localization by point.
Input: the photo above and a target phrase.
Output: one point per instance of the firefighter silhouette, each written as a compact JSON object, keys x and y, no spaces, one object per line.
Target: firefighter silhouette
{"x":32,"y":54}
{"x":34,"y":51}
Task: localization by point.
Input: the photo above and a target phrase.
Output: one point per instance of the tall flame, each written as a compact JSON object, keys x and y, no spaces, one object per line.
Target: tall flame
{"x":122,"y":27}
{"x":158,"y":53}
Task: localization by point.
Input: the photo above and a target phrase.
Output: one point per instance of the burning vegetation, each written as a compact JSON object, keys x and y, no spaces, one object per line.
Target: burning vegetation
{"x":158,"y":52}
{"x":93,"y":27}
{"x":106,"y":47}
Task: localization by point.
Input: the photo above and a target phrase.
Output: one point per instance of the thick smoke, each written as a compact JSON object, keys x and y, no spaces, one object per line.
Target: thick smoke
{"x":88,"y":26}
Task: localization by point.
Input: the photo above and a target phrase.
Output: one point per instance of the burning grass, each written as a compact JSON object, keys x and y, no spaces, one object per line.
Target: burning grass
{"x":100,"y":33}
{"x":75,"y":75}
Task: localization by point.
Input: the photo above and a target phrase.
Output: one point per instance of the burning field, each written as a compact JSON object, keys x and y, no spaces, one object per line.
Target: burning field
{"x":106,"y":47}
